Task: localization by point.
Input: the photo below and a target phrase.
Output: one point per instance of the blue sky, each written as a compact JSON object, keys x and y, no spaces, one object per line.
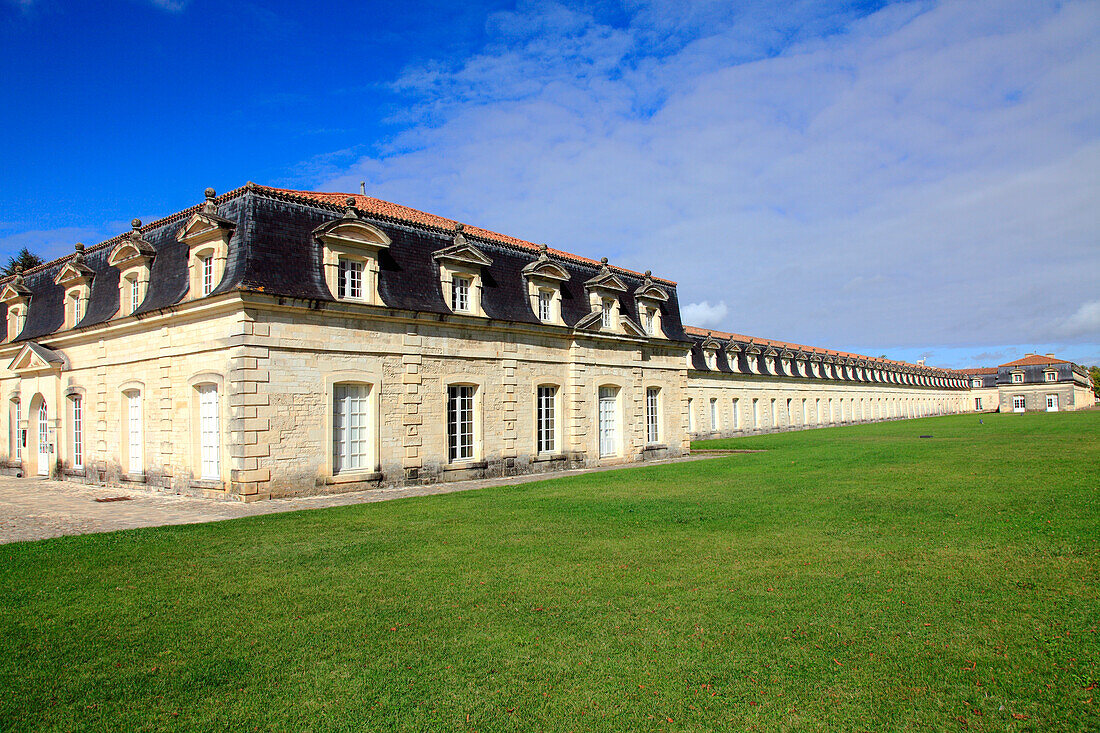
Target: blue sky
{"x":916,"y":179}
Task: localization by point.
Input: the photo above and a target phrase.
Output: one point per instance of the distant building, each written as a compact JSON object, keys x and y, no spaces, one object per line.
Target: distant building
{"x":1038,"y":383}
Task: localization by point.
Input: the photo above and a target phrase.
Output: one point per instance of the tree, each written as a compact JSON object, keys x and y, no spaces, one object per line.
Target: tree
{"x":25,"y":259}
{"x":1094,"y":372}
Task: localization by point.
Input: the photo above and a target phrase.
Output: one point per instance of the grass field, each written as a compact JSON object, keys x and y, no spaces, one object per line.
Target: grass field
{"x":858,"y":578}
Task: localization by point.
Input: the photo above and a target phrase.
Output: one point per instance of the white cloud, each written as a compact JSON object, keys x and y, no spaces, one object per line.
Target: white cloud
{"x":704,"y":315}
{"x":923,"y":175}
{"x":1084,"y":323}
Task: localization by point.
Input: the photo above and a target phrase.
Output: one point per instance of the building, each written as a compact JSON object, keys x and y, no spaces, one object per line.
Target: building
{"x":269,"y":342}
{"x":1039,"y":383}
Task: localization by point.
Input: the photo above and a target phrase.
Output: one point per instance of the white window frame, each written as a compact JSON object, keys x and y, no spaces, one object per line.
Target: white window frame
{"x":546,"y":419}
{"x":652,"y":415}
{"x":76,"y":409}
{"x":1051,"y":376}
{"x":352,"y":439}
{"x":1017,"y":377}
{"x":1019,"y":403}
{"x":607,"y":309}
{"x":713,"y":414}
{"x":135,"y":433}
{"x":546,"y":305}
{"x":460,"y":293}
{"x":1052,"y":402}
{"x":206,"y":273}
{"x":691,"y":415}
{"x":461,"y":423}
{"x":608,"y":420}
{"x":735,"y":405}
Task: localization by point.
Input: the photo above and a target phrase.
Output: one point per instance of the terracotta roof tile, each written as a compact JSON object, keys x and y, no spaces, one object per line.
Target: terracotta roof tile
{"x":378,"y":207}
{"x":978,"y":370}
{"x":1035,"y":360}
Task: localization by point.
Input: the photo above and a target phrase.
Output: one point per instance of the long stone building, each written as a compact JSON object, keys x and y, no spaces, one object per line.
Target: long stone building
{"x":269,"y":342}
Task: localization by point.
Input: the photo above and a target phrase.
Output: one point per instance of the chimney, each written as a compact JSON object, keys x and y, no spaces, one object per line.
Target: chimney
{"x":920,"y":362}
{"x":363,"y":188}
{"x":1050,"y":356}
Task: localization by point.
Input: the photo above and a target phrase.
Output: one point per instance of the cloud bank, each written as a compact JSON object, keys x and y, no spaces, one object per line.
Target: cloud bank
{"x":925,"y":174}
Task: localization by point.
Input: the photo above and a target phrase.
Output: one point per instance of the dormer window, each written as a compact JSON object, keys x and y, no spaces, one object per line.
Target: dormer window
{"x":460,"y":267}
{"x":206,"y":265}
{"x":1017,"y":377}
{"x":1052,"y":376}
{"x":350,"y":279}
{"x":74,"y":309}
{"x":17,"y":318}
{"x":975,"y":383}
{"x":769,"y":361}
{"x":607,"y":313}
{"x":460,"y":294}
{"x":546,"y":300}
{"x":133,"y":257}
{"x":75,"y":277}
{"x":605,"y":309}
{"x":648,"y":299}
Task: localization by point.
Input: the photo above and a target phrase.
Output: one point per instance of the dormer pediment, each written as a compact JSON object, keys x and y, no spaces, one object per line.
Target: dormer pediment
{"x":605,"y":280}
{"x":35,"y":358}
{"x":132,"y":249}
{"x":710,"y":344}
{"x":463,"y":253}
{"x":733,"y":348}
{"x":544,"y":268}
{"x":650,"y":291}
{"x":203,"y":226}
{"x":352,"y":233}
{"x":787,"y":354}
{"x":14,"y":292}
{"x":815,"y":357}
{"x":72,"y":273}
{"x":753,"y":349}
{"x":771,"y":352}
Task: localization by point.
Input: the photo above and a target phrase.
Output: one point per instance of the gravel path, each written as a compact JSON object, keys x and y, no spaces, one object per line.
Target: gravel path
{"x":34,"y":509}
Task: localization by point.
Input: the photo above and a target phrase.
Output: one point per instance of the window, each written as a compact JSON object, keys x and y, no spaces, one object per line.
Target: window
{"x":1052,"y":376}
{"x":546,"y":300}
{"x":206,"y":265}
{"x":652,"y":431}
{"x":77,"y":404}
{"x":978,"y":403}
{"x":755,"y":414}
{"x":606,"y":313}
{"x":1017,"y":377}
{"x":976,"y":383}
{"x":349,"y":279}
{"x":804,"y":416}
{"x":43,"y":440}
{"x":713,"y":414}
{"x":135,"y":293}
{"x":546,"y":419}
{"x":608,"y":414}
{"x":134,"y":459}
{"x":460,"y":294}
{"x":74,"y":309}
{"x":350,"y":414}
{"x":787,"y":411}
{"x":16,"y":434}
{"x":460,"y":422}
{"x":1018,"y":403}
{"x":817,"y":411}
{"x":647,"y":321}
{"x":773,"y":416}
{"x":1052,"y":403}
{"x":711,"y":357}
{"x":17,"y":317}
{"x":736,"y":417}
{"x":209,"y":433}
{"x":691,"y":415}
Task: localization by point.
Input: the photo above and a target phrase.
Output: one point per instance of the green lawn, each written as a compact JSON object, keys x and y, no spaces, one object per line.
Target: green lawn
{"x":857,"y":578}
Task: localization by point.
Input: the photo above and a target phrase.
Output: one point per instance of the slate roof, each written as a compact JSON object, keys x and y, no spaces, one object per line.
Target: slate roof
{"x":873,"y":361}
{"x":272,"y":250}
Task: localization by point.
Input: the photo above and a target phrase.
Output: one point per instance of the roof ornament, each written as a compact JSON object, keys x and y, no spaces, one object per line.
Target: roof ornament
{"x":78,"y":258}
{"x":210,"y":207}
{"x":18,"y":282}
{"x":350,"y":212}
{"x":459,"y":237}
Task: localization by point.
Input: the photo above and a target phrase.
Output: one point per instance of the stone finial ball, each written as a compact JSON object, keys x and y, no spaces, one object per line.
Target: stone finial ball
{"x":210,"y":193}
{"x":350,"y":201}
{"x":79,"y":246}
{"x":603,"y":260}
{"x":649,"y":273}
{"x":136,"y":223}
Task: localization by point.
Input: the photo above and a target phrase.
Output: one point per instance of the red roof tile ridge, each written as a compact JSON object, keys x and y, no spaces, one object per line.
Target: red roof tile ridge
{"x":1035,"y":360}
{"x":400,"y":212}
{"x":696,"y":331}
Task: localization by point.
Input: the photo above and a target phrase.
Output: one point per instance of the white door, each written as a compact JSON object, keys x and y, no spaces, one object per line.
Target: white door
{"x":133,"y":410}
{"x":608,"y":420}
{"x":43,"y":442}
{"x":210,"y":435}
{"x":1018,"y":403}
{"x":1052,"y":403}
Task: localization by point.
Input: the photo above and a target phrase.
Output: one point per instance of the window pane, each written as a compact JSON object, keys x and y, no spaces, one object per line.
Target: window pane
{"x":546,"y":419}
{"x":460,"y":422}
{"x":78,"y":432}
{"x":651,"y":424}
{"x":350,"y":441}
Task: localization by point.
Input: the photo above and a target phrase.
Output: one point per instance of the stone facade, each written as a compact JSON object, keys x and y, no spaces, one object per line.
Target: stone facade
{"x":271,"y":343}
